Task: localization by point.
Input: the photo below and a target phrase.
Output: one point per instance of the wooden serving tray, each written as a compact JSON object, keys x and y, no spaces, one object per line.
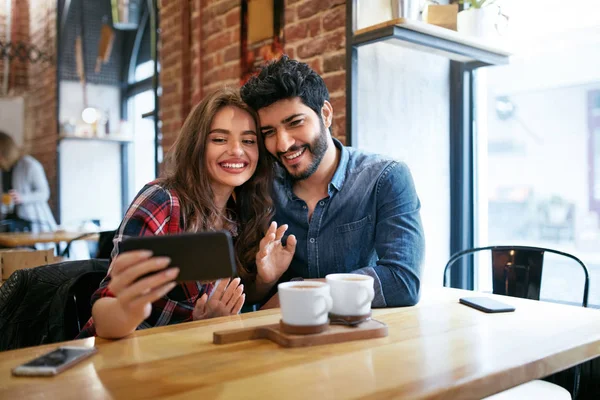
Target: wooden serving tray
{"x":335,"y":334}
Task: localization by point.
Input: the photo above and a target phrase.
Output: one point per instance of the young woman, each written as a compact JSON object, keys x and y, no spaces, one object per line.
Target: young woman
{"x":219,"y":177}
{"x":24,"y":180}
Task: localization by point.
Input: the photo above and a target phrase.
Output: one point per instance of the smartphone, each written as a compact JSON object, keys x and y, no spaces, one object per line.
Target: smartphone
{"x":486,"y":304}
{"x":54,"y":362}
{"x":202,"y":256}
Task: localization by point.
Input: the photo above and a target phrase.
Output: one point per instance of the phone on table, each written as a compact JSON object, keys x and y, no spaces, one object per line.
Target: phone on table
{"x":486,"y":304}
{"x":55,"y":361}
{"x":202,"y":256}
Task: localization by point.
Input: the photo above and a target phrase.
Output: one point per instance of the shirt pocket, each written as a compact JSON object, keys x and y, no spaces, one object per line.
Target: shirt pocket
{"x":353,"y":244}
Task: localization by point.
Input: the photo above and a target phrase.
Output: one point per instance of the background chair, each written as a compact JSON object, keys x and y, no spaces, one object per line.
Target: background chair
{"x":48,"y":304}
{"x":519,"y":271}
{"x":100,"y":249}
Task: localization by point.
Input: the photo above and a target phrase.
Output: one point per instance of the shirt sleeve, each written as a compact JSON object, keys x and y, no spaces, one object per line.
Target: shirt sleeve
{"x":399,"y":240}
{"x":153,"y":212}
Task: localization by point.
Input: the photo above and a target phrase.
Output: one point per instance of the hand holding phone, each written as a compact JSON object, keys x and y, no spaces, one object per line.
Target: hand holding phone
{"x":55,"y":361}
{"x":135,"y":295}
{"x":486,"y":304}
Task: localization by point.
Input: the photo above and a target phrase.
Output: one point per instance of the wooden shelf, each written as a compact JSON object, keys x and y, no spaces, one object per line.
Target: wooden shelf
{"x":149,"y":114}
{"x":109,"y":138}
{"x":433,"y":39}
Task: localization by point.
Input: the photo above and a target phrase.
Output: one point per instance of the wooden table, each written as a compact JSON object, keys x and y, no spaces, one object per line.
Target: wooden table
{"x":23,"y":239}
{"x":436,"y":350}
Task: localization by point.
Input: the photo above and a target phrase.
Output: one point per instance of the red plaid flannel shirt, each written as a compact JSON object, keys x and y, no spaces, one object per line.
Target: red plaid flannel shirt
{"x":154,"y":211}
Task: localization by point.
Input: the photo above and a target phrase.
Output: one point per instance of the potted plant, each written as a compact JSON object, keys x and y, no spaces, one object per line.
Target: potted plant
{"x":481,"y":19}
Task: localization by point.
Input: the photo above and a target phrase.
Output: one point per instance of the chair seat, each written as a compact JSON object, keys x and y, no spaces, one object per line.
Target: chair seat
{"x":533,"y":390}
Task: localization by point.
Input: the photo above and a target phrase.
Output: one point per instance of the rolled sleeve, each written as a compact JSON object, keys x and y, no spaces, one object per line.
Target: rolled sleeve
{"x":399,"y":240}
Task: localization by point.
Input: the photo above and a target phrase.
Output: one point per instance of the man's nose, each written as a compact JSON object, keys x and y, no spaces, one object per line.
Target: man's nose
{"x":284,"y":141}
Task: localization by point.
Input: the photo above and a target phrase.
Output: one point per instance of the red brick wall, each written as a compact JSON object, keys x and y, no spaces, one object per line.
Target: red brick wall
{"x":19,"y":32}
{"x":206,"y":54}
{"x":40,"y":130}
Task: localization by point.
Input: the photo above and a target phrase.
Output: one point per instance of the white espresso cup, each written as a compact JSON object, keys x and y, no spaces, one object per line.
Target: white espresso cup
{"x":352,"y":294}
{"x":304,"y":303}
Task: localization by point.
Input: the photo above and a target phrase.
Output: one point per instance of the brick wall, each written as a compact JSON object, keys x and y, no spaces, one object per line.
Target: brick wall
{"x":40,"y":127}
{"x":19,"y":32}
{"x":201,"y":51}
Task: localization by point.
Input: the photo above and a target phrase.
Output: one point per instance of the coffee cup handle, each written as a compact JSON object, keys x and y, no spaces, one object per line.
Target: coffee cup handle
{"x":366,"y":296}
{"x":324,"y":310}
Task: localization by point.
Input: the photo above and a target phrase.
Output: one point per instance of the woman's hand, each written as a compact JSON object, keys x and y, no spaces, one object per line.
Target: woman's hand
{"x":226,"y":299}
{"x":15,"y":196}
{"x":135,"y":297}
{"x":273,"y":259}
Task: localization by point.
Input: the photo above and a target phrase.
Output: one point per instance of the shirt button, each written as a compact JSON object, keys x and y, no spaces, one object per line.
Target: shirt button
{"x":321,"y":203}
{"x":304,"y":207}
{"x":312,"y":240}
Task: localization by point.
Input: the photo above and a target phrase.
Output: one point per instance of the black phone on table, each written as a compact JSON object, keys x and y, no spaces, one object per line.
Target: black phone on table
{"x":486,"y":304}
{"x":202,"y":256}
{"x":55,"y":361}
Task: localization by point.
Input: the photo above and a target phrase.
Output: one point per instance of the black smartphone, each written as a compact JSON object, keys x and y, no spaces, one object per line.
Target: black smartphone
{"x":54,"y":362}
{"x":202,"y":256}
{"x":486,"y":304}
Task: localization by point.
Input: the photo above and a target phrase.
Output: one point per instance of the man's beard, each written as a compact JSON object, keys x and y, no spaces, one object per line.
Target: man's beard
{"x":317,"y":148}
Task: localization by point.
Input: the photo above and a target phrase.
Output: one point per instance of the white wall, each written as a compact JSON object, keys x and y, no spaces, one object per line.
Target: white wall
{"x":11,"y":117}
{"x":403,"y":112}
{"x":90,"y":182}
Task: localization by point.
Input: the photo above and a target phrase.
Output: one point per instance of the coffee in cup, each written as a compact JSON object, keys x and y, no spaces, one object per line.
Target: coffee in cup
{"x":305,"y":304}
{"x":352,"y":294}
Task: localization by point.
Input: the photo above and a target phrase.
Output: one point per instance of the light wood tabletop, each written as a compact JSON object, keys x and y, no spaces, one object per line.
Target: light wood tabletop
{"x":22,"y":239}
{"x":438,"y":349}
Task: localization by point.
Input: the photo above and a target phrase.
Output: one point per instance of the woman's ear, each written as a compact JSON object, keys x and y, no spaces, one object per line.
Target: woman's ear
{"x":327,"y":113}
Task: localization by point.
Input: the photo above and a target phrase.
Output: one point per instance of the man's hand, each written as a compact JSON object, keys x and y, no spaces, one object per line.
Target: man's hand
{"x":273,"y":259}
{"x":227,"y":299}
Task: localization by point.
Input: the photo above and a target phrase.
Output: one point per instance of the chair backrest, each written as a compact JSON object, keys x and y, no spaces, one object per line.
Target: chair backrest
{"x":517,"y":270}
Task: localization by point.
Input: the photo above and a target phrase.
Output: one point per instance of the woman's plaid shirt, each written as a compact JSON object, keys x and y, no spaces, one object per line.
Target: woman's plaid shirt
{"x":154,"y":211}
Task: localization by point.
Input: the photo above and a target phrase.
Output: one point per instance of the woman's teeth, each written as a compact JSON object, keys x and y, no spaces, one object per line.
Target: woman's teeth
{"x":227,"y":165}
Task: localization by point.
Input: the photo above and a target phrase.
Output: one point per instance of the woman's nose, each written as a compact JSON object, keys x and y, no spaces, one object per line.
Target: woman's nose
{"x":235,"y":148}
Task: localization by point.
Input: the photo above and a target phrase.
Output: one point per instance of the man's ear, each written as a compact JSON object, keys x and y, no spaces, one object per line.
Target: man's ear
{"x":327,"y":113}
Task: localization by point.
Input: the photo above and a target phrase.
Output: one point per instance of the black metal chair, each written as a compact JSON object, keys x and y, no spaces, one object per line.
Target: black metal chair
{"x":517,"y":272}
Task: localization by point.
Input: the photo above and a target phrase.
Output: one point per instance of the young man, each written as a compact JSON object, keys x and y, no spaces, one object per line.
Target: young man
{"x":349,"y":211}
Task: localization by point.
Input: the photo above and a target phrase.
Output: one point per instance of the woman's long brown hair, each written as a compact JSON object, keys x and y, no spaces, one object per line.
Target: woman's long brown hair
{"x":187,"y":175}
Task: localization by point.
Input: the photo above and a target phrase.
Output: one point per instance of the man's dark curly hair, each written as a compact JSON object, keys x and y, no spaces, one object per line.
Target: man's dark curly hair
{"x":285,"y":79}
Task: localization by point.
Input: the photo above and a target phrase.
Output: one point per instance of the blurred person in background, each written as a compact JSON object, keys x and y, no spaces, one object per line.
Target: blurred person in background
{"x":25,"y":190}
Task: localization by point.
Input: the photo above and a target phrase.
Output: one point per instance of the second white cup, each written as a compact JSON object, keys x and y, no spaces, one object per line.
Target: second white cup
{"x":352,"y":294}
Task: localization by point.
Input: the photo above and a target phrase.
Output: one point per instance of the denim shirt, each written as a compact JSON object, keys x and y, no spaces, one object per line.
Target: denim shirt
{"x":369,"y":223}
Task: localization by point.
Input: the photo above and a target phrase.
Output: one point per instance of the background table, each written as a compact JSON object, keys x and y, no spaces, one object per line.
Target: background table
{"x":438,"y":349}
{"x":24,"y":239}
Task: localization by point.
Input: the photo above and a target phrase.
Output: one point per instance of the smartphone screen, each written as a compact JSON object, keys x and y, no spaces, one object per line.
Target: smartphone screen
{"x":55,"y":361}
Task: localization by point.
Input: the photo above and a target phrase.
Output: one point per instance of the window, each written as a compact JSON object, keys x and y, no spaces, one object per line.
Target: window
{"x":537,"y":124}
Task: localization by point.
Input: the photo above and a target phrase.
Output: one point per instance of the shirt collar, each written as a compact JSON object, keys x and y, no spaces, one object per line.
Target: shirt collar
{"x":340,"y":173}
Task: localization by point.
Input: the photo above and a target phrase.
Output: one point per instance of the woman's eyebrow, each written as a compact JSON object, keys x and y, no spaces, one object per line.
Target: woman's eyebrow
{"x":219,"y":130}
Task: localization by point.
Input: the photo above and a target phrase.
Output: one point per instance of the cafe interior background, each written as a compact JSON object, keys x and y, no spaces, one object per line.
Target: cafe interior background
{"x":98,"y":98}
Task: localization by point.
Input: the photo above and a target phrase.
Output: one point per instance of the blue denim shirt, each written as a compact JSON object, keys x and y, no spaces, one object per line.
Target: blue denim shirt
{"x":369,"y":223}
